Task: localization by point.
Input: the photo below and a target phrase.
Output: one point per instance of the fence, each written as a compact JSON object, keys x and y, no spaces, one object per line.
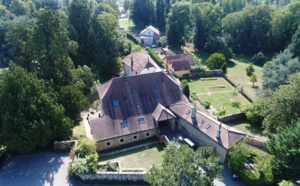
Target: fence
{"x":255,"y":142}
{"x":232,"y":117}
{"x":210,"y":73}
{"x":113,"y":177}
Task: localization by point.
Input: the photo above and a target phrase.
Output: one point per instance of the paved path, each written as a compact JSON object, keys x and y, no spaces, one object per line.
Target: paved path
{"x":86,"y":125}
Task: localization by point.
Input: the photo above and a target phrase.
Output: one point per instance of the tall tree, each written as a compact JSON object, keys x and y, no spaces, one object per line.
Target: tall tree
{"x":80,"y":18}
{"x":29,"y":112}
{"x":160,"y":14}
{"x":215,"y":61}
{"x":294,"y":46}
{"x":182,"y":165}
{"x":178,"y":24}
{"x":50,"y":48}
{"x":285,"y":22}
{"x":282,"y":106}
{"x":249,"y":29}
{"x":142,"y":13}
{"x":285,"y":146}
{"x":277,"y":72}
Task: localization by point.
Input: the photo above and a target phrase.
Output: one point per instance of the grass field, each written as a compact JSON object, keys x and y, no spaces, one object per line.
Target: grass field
{"x":224,"y":98}
{"x":246,"y":127}
{"x":126,"y":24}
{"x":237,"y":73}
{"x":143,"y":157}
{"x":79,"y":131}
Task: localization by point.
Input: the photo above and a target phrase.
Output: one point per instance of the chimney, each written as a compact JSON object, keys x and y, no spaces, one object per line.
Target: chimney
{"x":194,"y":110}
{"x":219,"y":131}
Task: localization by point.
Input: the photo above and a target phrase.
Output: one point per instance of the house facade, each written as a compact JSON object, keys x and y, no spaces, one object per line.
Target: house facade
{"x":135,"y":107}
{"x":138,"y":63}
{"x":179,"y":64}
{"x":128,"y":104}
{"x":149,"y":36}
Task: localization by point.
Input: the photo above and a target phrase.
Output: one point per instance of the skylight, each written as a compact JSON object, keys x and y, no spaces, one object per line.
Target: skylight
{"x":188,"y":112}
{"x":124,"y":124}
{"x":155,"y":86}
{"x":201,"y":121}
{"x":138,"y":106}
{"x":141,"y":120}
{"x":134,"y":90}
{"x":158,"y":95}
{"x":116,"y":103}
{"x":207,"y":126}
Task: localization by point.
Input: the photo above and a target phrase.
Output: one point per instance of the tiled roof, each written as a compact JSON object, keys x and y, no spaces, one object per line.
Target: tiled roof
{"x":181,"y":65}
{"x":180,"y":57}
{"x":130,"y":98}
{"x":139,"y":61}
{"x":228,"y":136}
{"x":153,"y":29}
{"x":161,"y":113}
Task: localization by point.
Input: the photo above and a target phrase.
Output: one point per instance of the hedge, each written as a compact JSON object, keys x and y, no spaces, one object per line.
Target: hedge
{"x":155,"y":57}
{"x":132,"y":38}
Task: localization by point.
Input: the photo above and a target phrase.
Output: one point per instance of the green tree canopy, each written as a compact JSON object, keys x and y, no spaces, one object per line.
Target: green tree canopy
{"x":142,"y":13}
{"x":285,"y":146}
{"x":182,"y":166}
{"x":249,"y":28}
{"x":294,"y":46}
{"x":50,"y":48}
{"x":178,"y":24}
{"x":282,"y":106}
{"x":215,"y":61}
{"x":277,"y":72}
{"x":29,"y":112}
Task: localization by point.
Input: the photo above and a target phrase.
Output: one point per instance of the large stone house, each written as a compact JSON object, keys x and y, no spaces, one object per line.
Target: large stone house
{"x":179,"y":64}
{"x":149,"y":36}
{"x":135,"y":107}
{"x":138,"y":63}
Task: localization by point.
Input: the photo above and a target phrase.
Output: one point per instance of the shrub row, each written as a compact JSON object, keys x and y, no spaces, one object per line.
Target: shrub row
{"x":132,"y":38}
{"x":155,"y":57}
{"x":201,"y":100}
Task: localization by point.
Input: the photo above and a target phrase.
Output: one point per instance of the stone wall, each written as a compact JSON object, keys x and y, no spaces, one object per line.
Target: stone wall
{"x":202,"y":139}
{"x":255,"y":142}
{"x":164,"y":139}
{"x":113,"y":177}
{"x":232,"y":117}
{"x":115,"y":142}
{"x":64,"y":145}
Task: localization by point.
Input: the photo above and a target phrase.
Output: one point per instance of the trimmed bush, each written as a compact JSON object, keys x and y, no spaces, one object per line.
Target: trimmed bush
{"x":132,"y":38}
{"x":155,"y":57}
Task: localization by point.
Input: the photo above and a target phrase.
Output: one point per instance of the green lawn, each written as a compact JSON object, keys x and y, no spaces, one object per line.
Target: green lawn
{"x":143,"y":157}
{"x":246,"y":127}
{"x":220,"y":98}
{"x":78,"y":131}
{"x":237,"y":74}
{"x":126,"y":24}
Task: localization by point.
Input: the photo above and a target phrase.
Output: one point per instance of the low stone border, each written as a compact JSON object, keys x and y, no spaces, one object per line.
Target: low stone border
{"x":127,"y":149}
{"x":64,"y":145}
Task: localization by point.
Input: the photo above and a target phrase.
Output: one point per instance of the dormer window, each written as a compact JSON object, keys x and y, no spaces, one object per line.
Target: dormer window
{"x":123,"y":124}
{"x":207,"y":126}
{"x":116,"y":103}
{"x":201,"y":121}
{"x":138,"y":106}
{"x":133,"y":90}
{"x":158,"y":95}
{"x":188,"y":112}
{"x":141,"y":120}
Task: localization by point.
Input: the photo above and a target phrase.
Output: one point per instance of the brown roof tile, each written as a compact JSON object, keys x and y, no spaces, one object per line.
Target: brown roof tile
{"x":138,"y":61}
{"x":180,"y":57}
{"x":137,"y":96}
{"x":181,"y":65}
{"x":161,"y":113}
{"x":228,"y":137}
